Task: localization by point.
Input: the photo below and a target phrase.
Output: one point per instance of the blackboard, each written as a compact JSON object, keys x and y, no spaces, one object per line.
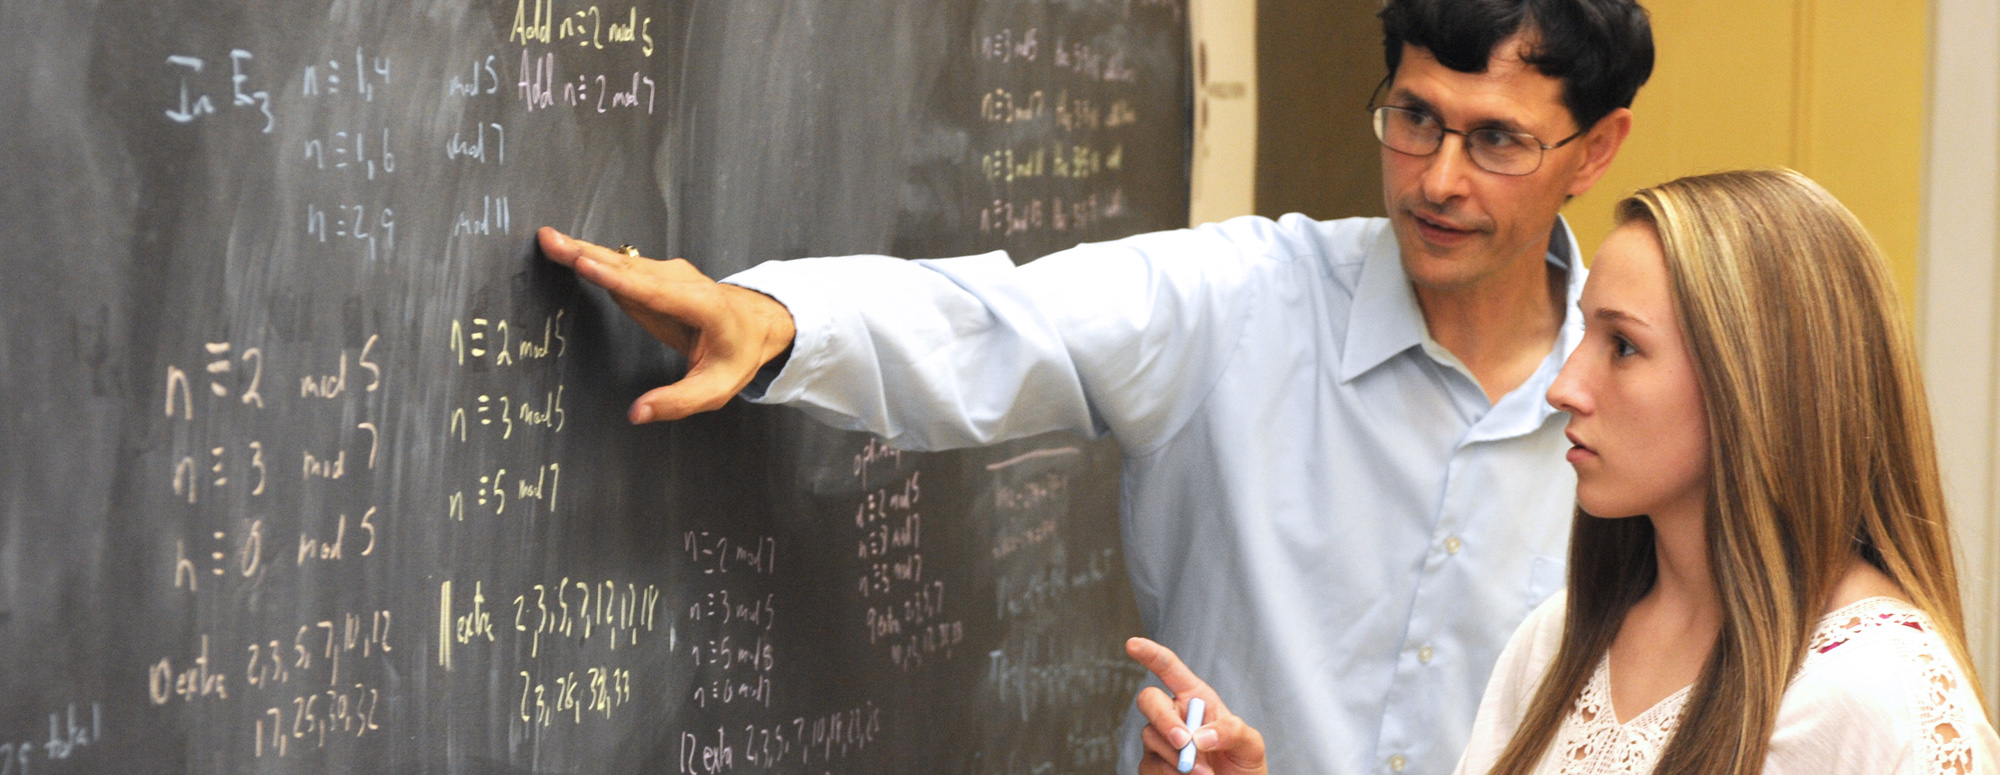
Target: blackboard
{"x":310,"y":463}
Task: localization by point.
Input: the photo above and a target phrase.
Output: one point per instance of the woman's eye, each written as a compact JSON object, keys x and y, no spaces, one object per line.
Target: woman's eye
{"x":1622,"y":347}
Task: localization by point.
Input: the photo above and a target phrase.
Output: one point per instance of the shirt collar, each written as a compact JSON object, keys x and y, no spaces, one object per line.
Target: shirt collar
{"x":1385,"y":319}
{"x":1526,"y":408}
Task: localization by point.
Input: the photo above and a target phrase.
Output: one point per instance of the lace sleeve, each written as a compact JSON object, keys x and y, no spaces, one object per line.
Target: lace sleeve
{"x":1948,"y":720}
{"x":1943,"y":730}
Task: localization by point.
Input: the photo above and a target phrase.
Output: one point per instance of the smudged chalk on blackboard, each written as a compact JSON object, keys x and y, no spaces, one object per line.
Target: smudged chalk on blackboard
{"x":1193,"y":721}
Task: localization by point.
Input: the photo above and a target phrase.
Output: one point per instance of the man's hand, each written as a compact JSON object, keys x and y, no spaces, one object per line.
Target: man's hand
{"x":1224,"y":745}
{"x":726,"y":332}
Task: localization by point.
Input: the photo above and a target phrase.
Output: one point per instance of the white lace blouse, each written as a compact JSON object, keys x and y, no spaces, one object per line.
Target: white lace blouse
{"x":1878,"y":693}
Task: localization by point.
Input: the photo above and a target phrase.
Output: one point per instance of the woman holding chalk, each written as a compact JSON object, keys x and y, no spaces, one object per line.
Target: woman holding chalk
{"x":1760,"y":573}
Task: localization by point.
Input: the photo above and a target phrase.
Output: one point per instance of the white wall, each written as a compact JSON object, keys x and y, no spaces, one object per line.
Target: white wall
{"x":1224,"y":178}
{"x":1961,"y":289}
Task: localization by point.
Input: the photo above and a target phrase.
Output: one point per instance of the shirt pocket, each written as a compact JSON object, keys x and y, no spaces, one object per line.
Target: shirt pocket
{"x":1545,"y":576}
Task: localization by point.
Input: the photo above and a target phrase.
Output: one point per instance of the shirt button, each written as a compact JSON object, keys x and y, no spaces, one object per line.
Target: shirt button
{"x":1397,"y":763}
{"x":1424,"y":655}
{"x":1452,"y":545}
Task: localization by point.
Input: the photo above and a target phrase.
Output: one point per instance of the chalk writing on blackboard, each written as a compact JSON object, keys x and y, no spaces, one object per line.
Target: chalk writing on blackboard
{"x":331,"y":473}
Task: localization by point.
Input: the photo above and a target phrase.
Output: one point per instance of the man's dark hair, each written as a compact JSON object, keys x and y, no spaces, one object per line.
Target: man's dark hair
{"x":1602,"y":50}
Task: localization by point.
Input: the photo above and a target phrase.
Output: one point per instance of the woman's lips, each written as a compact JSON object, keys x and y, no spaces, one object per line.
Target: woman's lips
{"x":1578,"y":451}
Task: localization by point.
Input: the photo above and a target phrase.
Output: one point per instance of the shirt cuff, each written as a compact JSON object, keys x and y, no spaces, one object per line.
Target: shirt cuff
{"x":760,"y":383}
{"x":785,"y":377}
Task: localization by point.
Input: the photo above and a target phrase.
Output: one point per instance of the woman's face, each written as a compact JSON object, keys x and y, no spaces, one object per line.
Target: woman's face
{"x":1635,"y":409}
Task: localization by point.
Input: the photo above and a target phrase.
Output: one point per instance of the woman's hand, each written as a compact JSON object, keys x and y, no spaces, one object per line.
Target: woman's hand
{"x":1224,"y":744}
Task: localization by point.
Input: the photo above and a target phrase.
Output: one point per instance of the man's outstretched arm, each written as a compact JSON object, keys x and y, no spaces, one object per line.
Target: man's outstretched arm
{"x":727,"y":332}
{"x":1123,"y":337}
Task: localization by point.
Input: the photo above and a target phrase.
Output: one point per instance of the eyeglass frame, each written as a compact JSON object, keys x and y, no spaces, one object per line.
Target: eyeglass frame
{"x":1376,"y":121}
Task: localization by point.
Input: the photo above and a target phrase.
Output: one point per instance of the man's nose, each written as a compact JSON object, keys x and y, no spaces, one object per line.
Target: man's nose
{"x":1449,"y":174}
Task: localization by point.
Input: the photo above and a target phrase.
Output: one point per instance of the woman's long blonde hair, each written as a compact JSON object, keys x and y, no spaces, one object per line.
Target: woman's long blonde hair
{"x":1820,"y":451}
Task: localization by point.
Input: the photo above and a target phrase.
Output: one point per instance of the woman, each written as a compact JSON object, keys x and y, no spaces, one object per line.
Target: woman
{"x":1761,"y":574}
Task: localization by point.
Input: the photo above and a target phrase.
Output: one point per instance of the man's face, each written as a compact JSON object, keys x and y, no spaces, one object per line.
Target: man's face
{"x":1459,"y":224}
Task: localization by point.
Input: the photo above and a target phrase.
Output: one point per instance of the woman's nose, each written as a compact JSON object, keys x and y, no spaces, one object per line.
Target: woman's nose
{"x":1566,"y":393}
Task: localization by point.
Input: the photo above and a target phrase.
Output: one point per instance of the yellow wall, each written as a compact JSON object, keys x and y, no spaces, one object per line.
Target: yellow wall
{"x":1223,"y":180}
{"x":1832,"y":88}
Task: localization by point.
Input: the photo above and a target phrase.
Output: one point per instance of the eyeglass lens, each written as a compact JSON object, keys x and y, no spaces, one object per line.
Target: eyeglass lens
{"x":1421,"y":134}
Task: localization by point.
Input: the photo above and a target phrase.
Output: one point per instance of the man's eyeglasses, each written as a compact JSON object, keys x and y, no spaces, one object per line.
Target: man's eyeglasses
{"x":1497,"y":151}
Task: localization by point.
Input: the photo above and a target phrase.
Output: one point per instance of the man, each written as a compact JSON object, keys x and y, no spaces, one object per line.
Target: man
{"x":1343,"y":488}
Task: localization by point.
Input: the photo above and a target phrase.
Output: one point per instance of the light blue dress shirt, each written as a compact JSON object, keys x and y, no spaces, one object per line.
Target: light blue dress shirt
{"x":1322,"y":512}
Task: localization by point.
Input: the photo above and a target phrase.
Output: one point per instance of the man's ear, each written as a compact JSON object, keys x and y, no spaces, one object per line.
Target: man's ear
{"x":1600,"y":147}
